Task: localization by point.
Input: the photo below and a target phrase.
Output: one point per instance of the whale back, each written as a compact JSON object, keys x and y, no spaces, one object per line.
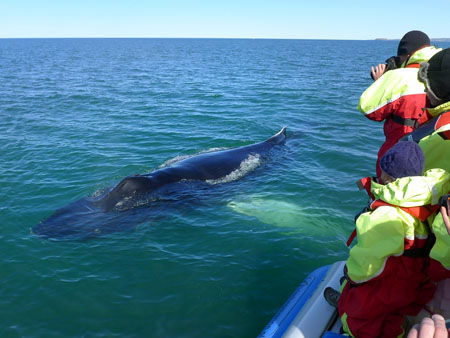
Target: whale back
{"x":89,"y":216}
{"x":202,"y":167}
{"x":217,"y":164}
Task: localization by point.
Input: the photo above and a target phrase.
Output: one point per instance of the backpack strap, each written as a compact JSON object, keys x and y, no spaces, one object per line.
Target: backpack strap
{"x":413,"y":123}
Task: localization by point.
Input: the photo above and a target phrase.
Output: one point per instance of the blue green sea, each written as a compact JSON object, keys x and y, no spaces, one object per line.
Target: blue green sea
{"x":78,"y":115}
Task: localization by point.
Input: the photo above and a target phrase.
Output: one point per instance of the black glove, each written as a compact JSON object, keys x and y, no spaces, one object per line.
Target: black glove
{"x":443,"y":201}
{"x":444,"y":209}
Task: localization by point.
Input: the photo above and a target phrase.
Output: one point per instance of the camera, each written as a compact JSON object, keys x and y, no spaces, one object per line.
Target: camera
{"x":392,"y":63}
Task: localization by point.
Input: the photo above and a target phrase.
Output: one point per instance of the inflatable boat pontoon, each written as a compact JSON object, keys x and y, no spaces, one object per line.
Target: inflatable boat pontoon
{"x":307,"y":314}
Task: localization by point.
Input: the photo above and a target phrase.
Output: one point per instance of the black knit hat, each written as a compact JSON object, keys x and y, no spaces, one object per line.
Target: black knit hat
{"x":411,"y":42}
{"x":439,"y":74}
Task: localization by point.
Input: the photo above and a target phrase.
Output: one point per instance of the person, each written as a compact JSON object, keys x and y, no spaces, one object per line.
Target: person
{"x":433,"y":139}
{"x":385,"y":279}
{"x":433,"y":327}
{"x":396,"y":96}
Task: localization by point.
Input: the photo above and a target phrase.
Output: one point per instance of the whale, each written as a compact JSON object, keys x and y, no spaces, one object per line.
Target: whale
{"x":103,"y":214}
{"x":288,"y":216}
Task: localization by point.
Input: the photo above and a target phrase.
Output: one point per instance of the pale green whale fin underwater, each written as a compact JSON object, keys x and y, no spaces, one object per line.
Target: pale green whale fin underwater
{"x":278,"y":213}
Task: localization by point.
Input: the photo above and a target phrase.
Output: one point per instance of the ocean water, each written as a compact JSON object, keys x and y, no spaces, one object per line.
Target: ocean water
{"x":78,"y":115}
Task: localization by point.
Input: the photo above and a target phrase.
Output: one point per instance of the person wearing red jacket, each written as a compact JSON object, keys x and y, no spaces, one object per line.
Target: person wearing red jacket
{"x":385,"y":271}
{"x":397,"y":96}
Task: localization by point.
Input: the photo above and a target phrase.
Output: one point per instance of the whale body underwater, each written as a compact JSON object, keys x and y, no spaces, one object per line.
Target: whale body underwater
{"x":94,"y":216}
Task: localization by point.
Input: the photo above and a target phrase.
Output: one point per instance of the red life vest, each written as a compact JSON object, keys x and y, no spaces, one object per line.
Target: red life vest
{"x":420,"y":212}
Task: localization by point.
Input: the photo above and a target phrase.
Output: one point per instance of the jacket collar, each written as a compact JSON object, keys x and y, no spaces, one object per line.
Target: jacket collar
{"x":422,"y":55}
{"x":414,"y":190}
{"x":442,"y":108}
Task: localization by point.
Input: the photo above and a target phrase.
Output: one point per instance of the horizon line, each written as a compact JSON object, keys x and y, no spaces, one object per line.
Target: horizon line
{"x":210,"y":38}
{"x":172,"y":37}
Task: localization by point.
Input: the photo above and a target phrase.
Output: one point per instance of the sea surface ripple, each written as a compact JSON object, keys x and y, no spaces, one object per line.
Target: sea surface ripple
{"x":78,"y":115}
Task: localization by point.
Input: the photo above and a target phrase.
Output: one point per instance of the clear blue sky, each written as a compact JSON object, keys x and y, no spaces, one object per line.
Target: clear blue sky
{"x":284,"y":19}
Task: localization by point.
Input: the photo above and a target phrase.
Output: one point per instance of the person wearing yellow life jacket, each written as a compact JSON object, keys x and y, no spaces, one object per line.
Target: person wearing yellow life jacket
{"x":433,"y":138}
{"x":385,"y":271}
{"x":396,"y":96}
